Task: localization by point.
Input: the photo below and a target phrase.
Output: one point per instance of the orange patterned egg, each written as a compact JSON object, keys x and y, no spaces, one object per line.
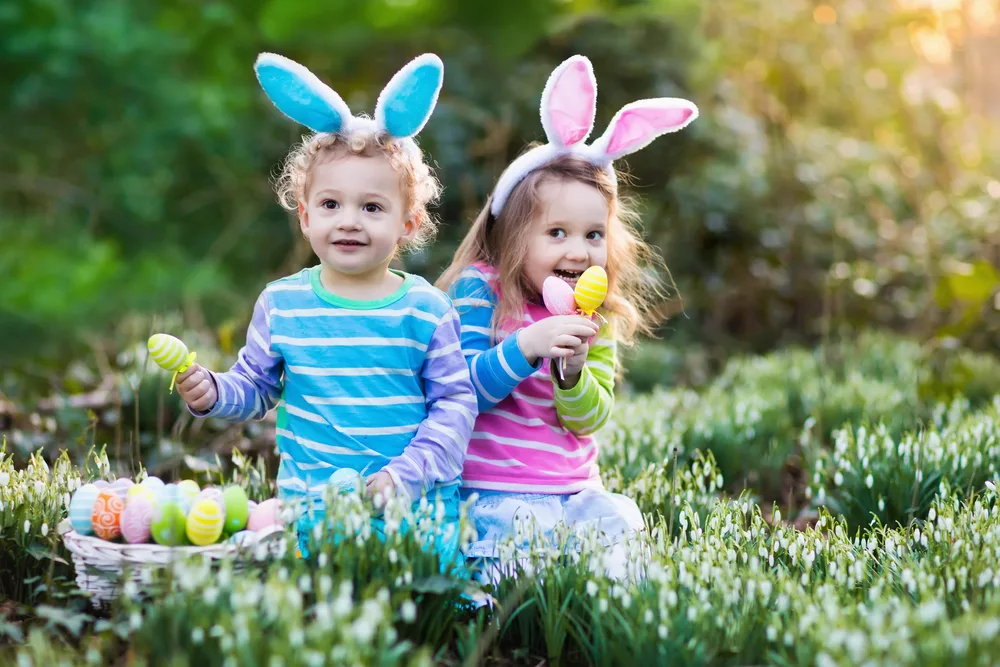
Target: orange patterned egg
{"x":106,"y":516}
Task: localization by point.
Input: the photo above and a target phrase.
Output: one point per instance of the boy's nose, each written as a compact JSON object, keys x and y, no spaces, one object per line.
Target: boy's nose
{"x":348,"y":221}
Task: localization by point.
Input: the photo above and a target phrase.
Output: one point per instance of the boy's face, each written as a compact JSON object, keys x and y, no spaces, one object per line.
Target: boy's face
{"x":569,"y":235}
{"x":355,"y":215}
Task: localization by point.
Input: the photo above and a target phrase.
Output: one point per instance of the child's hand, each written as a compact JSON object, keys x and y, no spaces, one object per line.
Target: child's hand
{"x":380,"y":483}
{"x":574,"y":366}
{"x":555,"y":337}
{"x":197,"y":388}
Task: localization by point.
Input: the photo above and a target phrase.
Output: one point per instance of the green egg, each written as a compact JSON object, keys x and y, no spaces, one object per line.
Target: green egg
{"x":237,"y":505}
{"x":168,"y":525}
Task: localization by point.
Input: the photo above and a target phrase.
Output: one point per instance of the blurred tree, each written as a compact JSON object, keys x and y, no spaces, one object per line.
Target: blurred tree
{"x":831,"y":178}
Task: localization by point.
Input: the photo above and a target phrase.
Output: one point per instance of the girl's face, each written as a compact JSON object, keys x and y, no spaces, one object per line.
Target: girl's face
{"x":569,"y":235}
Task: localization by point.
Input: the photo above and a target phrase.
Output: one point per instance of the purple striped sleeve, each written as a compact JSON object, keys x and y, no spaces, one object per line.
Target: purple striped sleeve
{"x":437,"y":452}
{"x":253,"y":385}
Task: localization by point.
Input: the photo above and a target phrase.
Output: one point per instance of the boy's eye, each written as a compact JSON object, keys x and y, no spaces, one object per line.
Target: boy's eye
{"x":372,"y":207}
{"x":330,"y":204}
{"x":595,"y":236}
{"x":557,"y":233}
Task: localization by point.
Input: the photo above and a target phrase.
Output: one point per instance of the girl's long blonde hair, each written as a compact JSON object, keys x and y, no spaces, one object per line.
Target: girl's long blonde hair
{"x":502,"y":242}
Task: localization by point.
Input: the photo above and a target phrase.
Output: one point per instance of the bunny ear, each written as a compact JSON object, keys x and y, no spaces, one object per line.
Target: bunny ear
{"x":569,"y":102}
{"x":407,"y":101}
{"x":298,"y":94}
{"x":638,"y":123}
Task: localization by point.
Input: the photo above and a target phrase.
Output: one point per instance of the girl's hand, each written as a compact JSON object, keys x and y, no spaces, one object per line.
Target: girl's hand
{"x":573,"y":368}
{"x":380,"y":483}
{"x":555,"y":337}
{"x":197,"y":388}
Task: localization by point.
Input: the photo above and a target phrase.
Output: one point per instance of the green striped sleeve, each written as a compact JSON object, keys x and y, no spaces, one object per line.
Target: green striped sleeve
{"x":585,"y":407}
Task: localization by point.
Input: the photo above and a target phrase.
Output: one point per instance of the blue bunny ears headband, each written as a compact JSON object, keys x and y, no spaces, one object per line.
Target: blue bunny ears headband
{"x":569,"y":102}
{"x":402,"y":109}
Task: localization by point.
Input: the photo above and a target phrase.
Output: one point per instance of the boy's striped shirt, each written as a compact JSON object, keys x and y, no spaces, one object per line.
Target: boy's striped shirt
{"x":365,"y":385}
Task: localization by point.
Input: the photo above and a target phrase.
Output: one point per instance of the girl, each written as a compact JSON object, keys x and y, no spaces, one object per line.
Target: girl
{"x":555,"y":211}
{"x":363,"y":362}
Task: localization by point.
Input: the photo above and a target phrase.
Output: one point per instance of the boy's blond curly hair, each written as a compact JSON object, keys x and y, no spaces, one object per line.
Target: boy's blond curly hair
{"x":419,"y":185}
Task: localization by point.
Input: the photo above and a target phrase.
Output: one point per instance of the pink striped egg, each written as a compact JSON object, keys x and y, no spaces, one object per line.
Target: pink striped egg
{"x":136,"y":519}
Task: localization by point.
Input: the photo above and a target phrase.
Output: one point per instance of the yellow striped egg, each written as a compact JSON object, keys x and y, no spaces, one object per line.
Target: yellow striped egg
{"x":591,"y":289}
{"x":140,"y":491}
{"x":168,"y":352}
{"x":205,"y":522}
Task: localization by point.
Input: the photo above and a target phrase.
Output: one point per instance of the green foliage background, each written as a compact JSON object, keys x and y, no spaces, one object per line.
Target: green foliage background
{"x":832,"y":182}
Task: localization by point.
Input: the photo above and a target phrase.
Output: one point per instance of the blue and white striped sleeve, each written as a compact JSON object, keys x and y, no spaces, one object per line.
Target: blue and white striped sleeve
{"x":254,"y":384}
{"x":436,"y":455}
{"x":495,"y":369}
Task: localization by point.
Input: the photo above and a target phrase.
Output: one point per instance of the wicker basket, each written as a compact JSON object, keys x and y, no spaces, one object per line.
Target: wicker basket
{"x":99,"y":564}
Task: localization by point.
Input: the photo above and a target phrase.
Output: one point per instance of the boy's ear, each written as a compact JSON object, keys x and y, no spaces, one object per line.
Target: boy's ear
{"x":410,"y":228}
{"x":303,"y":218}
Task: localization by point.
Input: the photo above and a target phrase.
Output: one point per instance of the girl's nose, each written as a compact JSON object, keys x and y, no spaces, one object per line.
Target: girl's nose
{"x":577,"y":251}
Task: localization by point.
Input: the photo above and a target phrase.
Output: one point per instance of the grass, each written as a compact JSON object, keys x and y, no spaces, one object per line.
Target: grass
{"x":898,"y":564}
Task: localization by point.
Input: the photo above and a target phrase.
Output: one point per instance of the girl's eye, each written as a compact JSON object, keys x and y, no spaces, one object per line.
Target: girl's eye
{"x":372,"y":208}
{"x":595,"y":236}
{"x":330,"y":204}
{"x":557,"y":233}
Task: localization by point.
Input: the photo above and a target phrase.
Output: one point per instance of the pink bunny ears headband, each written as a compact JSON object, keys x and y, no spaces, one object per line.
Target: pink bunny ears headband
{"x":569,"y":103}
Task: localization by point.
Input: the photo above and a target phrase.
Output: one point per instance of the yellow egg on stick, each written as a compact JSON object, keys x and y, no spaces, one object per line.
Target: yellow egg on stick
{"x":591,"y":290}
{"x":170,"y":354}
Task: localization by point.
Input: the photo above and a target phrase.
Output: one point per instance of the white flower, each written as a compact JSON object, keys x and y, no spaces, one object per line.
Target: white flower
{"x":602,"y":605}
{"x":363,"y":629}
{"x":197,"y":635}
{"x":45,"y":529}
{"x":869,"y":481}
{"x":408,"y":611}
{"x":838,"y":479}
{"x":591,"y":588}
{"x":5,"y":478}
{"x":27,"y":526}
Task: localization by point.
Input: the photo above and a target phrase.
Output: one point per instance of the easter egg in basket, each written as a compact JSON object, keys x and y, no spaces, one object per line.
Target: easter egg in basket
{"x":188,"y":490}
{"x":205,"y":522}
{"x":153,"y":482}
{"x":137,"y":519}
{"x":264,"y":515}
{"x":214,"y":494}
{"x":237,"y":509}
{"x":138,"y":491}
{"x":121,"y":486}
{"x":168,"y":525}
{"x":81,"y":507}
{"x":106,"y":516}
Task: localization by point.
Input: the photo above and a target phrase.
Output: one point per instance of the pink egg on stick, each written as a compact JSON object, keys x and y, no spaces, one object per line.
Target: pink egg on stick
{"x":559,"y":299}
